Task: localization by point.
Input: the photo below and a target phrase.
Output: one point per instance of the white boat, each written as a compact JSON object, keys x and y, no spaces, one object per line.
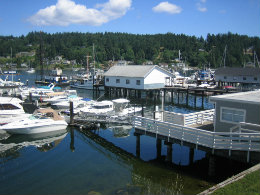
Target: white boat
{"x":56,"y":76}
{"x":37,"y":93}
{"x":11,"y":110}
{"x":85,"y":82}
{"x":42,"y":141}
{"x":31,"y":70}
{"x":77,"y":102}
{"x":57,"y":97}
{"x":42,"y":121}
{"x":97,"y":108}
{"x":123,"y":108}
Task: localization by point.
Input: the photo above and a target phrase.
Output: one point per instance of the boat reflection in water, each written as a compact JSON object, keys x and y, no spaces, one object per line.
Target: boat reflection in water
{"x":121,"y":130}
{"x":42,"y":141}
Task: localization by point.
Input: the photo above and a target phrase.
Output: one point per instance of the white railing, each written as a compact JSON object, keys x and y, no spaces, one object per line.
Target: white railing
{"x":243,"y":127}
{"x":189,"y":119}
{"x":215,"y":140}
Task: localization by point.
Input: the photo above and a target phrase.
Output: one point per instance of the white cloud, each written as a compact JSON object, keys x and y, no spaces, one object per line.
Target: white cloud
{"x":167,"y":7}
{"x":67,"y":12}
{"x":201,"y":6}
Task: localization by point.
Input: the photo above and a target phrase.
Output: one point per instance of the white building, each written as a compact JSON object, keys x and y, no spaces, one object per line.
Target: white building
{"x":137,"y":77}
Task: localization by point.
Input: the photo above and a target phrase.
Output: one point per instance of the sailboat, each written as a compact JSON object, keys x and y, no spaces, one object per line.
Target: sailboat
{"x":88,"y":80}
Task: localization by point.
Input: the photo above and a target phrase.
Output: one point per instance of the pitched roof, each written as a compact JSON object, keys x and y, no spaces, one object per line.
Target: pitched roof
{"x":132,"y":70}
{"x":252,"y":97}
{"x":238,"y":71}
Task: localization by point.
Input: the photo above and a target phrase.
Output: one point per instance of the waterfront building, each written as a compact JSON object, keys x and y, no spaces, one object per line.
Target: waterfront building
{"x":137,"y":77}
{"x":246,"y":77}
{"x":237,"y":111}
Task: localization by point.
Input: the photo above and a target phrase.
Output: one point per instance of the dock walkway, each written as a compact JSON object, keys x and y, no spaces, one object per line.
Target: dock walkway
{"x":187,"y":132}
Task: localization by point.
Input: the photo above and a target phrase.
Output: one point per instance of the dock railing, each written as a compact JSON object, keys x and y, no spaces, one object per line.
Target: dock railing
{"x":189,"y":119}
{"x":214,"y":140}
{"x":244,"y":127}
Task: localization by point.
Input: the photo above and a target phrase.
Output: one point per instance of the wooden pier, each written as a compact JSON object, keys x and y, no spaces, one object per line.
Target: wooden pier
{"x":226,"y":144}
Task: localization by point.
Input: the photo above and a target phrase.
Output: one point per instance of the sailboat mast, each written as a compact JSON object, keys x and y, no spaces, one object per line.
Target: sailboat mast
{"x":94,"y":58}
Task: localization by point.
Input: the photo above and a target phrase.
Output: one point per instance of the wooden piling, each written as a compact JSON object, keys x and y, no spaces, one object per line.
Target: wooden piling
{"x":71,"y":113}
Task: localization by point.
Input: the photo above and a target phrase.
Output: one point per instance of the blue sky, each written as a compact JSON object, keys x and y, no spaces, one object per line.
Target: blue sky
{"x":190,"y":17}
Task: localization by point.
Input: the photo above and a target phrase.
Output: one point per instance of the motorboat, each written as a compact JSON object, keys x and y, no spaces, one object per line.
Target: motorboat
{"x":31,"y":70}
{"x":97,"y":108}
{"x":11,"y":110}
{"x":36,"y":93}
{"x":42,"y":141}
{"x":57,"y":97}
{"x":77,"y":102}
{"x":41,"y":121}
{"x":123,"y":108}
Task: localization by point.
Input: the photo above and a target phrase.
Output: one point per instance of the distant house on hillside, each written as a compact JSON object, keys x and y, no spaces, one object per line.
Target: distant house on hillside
{"x":137,"y":77}
{"x":247,"y":76}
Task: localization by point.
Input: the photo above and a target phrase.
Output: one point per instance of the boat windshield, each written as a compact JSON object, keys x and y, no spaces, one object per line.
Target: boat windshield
{"x":102,"y":106}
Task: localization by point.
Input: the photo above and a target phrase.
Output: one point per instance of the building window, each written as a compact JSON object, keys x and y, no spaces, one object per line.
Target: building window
{"x":107,"y":80}
{"x":255,"y":78}
{"x":127,"y":81}
{"x":232,"y":115}
{"x":244,"y":78}
{"x":117,"y":80}
{"x":225,"y":77}
{"x":138,"y":82}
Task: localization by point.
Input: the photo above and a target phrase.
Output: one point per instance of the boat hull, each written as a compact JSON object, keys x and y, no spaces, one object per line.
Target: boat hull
{"x":41,"y":128}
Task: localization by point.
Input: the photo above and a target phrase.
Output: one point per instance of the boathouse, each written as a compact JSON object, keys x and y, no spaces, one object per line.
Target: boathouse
{"x":246,"y":76}
{"x":236,"y":112}
{"x":137,"y":77}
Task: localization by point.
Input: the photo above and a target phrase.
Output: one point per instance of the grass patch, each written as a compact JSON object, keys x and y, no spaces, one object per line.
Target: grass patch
{"x":249,"y":185}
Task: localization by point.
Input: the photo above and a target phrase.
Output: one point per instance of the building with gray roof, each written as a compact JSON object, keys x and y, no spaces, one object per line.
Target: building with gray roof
{"x":137,"y":77}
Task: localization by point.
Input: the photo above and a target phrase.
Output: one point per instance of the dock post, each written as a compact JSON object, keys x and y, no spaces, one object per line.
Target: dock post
{"x":195,"y":100}
{"x":71,"y":113}
{"x":72,"y":147}
{"x":212,"y":165}
{"x":142,"y":109}
{"x":154,"y":106}
{"x":202,"y":100}
{"x":187,"y":97}
{"x":191,"y":156}
{"x":172,"y":96}
{"x":169,"y":152}
{"x":30,"y":97}
{"x":159,"y":148}
{"x":138,"y":145}
{"x":178,"y":96}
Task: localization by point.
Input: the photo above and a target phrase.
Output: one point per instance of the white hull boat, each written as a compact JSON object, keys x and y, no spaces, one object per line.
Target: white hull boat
{"x":42,"y":121}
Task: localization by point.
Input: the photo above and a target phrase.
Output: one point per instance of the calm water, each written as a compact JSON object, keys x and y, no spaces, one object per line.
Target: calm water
{"x":104,"y":161}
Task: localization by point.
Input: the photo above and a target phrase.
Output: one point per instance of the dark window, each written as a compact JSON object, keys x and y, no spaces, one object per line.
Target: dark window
{"x":225,"y":77}
{"x":244,"y":78}
{"x":117,"y":80}
{"x":255,"y":78}
{"x":8,"y":107}
{"x":138,"y":82}
{"x":107,"y":80}
{"x":127,"y":81}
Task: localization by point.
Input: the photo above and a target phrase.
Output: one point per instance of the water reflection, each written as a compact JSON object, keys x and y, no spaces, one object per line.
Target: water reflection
{"x":41,"y":141}
{"x":147,"y":177}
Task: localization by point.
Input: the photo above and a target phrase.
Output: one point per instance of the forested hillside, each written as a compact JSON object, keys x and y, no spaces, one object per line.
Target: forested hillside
{"x":137,"y":48}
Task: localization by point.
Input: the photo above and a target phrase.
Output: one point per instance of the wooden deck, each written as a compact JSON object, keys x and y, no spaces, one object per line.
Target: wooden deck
{"x":229,"y":141}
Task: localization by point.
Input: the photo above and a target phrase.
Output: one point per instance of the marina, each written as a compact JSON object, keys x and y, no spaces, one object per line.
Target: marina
{"x":137,"y":155}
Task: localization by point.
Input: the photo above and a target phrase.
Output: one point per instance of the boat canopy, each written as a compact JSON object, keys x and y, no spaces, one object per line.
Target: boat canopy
{"x":49,"y":113}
